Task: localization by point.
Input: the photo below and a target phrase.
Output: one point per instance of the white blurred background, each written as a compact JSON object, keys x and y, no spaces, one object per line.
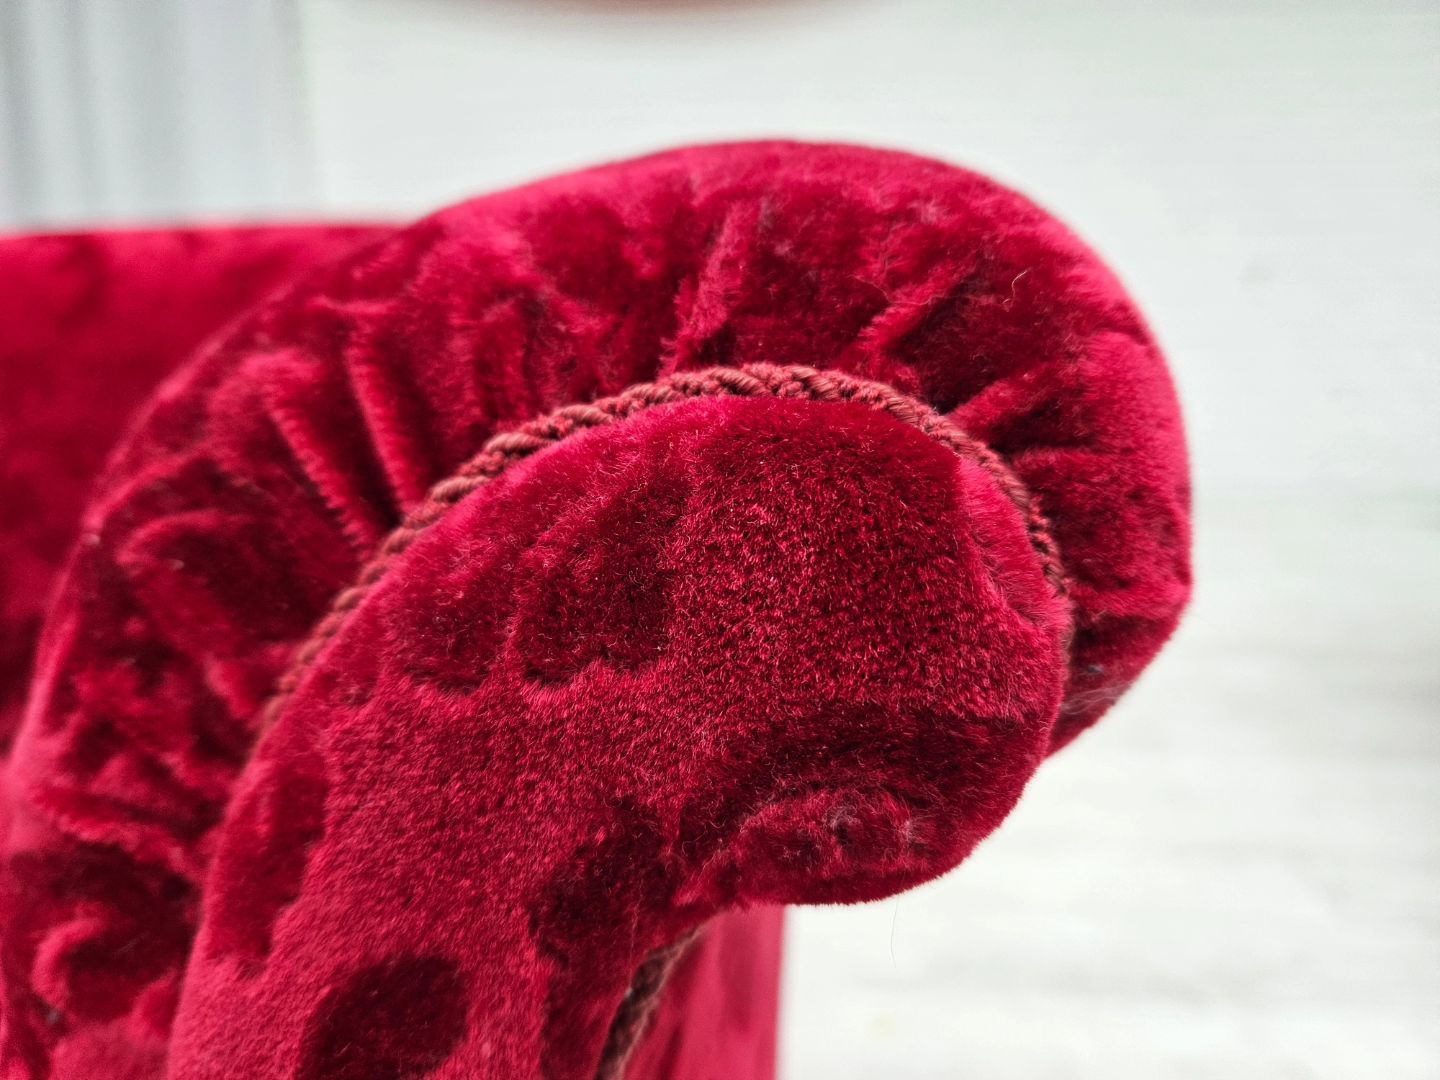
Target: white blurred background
{"x":1236,"y":875}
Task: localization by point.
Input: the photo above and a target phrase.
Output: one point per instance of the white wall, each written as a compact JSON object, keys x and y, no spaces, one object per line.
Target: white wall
{"x":1264,"y":175}
{"x":125,"y":110}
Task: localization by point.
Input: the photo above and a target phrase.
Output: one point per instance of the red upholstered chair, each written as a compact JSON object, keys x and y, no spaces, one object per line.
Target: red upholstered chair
{"x":487,"y":625}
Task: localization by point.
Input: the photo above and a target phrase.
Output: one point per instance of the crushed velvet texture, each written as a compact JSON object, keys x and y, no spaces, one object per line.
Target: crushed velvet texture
{"x":892,"y":663}
{"x":89,"y":323}
{"x":724,"y":653}
{"x":92,"y":322}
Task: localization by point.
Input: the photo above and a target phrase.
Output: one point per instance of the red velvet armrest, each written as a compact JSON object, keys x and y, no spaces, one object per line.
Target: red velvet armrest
{"x":465,"y":631}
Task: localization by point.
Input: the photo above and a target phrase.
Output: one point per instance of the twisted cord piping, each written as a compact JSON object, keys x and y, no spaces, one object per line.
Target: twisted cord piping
{"x":507,"y":448}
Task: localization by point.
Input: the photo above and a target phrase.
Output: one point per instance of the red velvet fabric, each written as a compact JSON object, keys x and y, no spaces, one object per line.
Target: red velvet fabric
{"x":89,"y":324}
{"x":724,"y":653}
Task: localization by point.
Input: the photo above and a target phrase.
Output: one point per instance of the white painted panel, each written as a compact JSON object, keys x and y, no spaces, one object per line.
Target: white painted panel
{"x":129,"y":110}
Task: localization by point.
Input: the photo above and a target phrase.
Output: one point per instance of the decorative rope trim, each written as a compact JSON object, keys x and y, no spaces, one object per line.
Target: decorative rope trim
{"x":751,"y":381}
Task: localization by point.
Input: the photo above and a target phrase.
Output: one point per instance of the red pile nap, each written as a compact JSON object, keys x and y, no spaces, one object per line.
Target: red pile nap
{"x":759,"y":517}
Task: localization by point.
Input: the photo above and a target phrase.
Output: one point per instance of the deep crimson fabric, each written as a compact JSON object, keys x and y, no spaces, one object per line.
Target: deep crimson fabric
{"x":725,"y":653}
{"x":89,"y":324}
